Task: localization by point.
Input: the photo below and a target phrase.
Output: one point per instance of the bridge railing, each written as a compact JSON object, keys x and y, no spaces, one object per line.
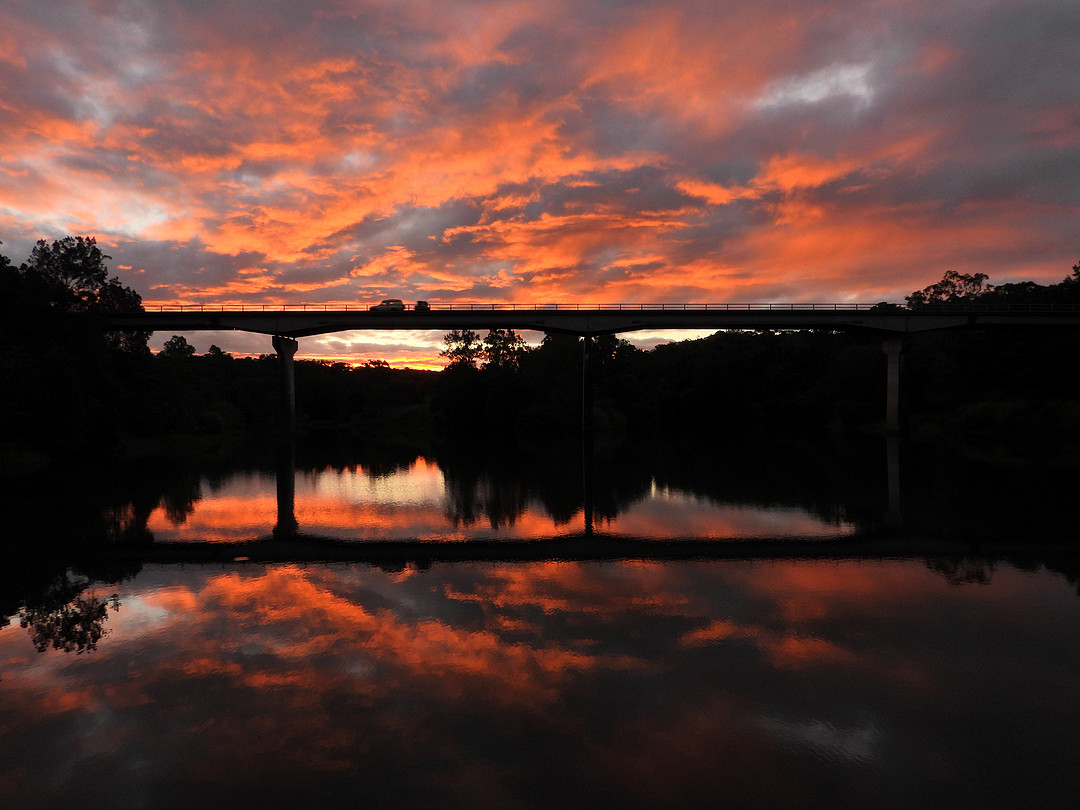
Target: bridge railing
{"x":510,"y":307}
{"x":643,"y":307}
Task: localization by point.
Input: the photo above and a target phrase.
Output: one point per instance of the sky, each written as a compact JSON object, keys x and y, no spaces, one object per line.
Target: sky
{"x":540,"y":151}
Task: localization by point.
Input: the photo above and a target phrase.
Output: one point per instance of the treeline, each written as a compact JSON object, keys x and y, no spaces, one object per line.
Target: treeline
{"x":66,"y":382}
{"x":992,"y":390}
{"x":1010,"y":394}
{"x":71,"y":386}
{"x":728,"y":382}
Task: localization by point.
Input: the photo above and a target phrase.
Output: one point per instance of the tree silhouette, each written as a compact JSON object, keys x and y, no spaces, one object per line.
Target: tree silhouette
{"x":67,"y":619}
{"x":74,"y":269}
{"x":73,"y":275}
{"x":66,"y":379}
{"x":954,"y":288}
{"x":463,"y":348}
{"x":178,"y":347}
{"x":503,"y":349}
{"x":216,"y":354}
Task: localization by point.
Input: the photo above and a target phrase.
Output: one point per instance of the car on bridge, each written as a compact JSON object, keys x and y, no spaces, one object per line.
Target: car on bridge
{"x":388,"y":305}
{"x":422,"y":306}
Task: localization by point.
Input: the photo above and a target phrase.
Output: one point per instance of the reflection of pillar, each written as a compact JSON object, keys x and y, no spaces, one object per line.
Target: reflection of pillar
{"x":286,"y":348}
{"x":894,"y":520}
{"x":892,"y":347}
{"x":286,"y":490}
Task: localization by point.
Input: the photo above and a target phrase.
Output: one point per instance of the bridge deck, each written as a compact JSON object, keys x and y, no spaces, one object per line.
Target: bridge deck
{"x":579,"y":319}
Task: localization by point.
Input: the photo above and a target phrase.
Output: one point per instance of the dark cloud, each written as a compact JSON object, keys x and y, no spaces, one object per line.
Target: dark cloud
{"x":175,"y":263}
{"x":302,"y":151}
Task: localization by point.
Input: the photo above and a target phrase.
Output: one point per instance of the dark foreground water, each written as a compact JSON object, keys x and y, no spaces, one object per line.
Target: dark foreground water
{"x":833,"y":652}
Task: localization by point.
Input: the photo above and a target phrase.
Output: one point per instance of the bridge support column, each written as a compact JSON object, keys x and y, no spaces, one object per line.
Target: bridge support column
{"x":586,"y":386}
{"x":894,"y":516}
{"x":587,"y":433}
{"x":286,"y":348}
{"x":892,"y":347}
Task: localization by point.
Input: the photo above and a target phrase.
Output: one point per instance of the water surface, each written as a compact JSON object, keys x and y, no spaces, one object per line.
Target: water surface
{"x":696,"y":684}
{"x":418,"y":501}
{"x":821,"y":669}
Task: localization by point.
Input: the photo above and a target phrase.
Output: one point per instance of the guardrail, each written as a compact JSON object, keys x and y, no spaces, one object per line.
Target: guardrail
{"x":489,"y":307}
{"x":656,"y":307}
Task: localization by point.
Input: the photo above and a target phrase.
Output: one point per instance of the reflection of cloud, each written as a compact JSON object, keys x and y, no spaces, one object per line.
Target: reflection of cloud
{"x":792,"y":649}
{"x":418,"y":502}
{"x":287,"y":614}
{"x":638,"y":683}
{"x":855,"y":744}
{"x":671,"y":513}
{"x":420,"y":485}
{"x":355,"y":504}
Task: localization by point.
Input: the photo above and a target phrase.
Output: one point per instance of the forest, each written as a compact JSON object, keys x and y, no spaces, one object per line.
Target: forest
{"x":71,"y":387}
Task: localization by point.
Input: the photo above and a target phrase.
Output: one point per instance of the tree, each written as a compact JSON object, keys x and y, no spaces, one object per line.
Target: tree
{"x":1070,"y":286}
{"x":503,"y":349}
{"x":215,"y":353}
{"x":954,"y":288}
{"x":68,"y":382}
{"x":177,"y":347}
{"x":72,"y":276}
{"x":463,"y":349}
{"x":73,"y":268}
{"x":611,"y":351}
{"x":114,"y":297}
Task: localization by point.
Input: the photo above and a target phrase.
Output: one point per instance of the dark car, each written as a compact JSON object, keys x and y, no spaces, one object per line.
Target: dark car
{"x":389,"y":305}
{"x":422,"y":306}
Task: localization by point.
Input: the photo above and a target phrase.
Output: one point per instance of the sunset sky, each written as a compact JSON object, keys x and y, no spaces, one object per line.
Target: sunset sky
{"x":312,"y":151}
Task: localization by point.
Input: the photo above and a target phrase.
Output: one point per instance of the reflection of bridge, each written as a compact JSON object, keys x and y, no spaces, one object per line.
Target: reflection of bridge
{"x":890,"y":321}
{"x":573,"y":547}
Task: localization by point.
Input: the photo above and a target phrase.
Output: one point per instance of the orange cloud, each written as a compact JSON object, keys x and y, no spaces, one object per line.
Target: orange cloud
{"x":519,"y":150}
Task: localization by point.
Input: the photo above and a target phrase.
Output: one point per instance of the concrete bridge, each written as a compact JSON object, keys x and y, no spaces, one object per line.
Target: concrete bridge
{"x":586,"y":320}
{"x":892,"y":322}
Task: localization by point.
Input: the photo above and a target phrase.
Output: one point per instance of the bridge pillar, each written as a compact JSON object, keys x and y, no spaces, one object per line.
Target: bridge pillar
{"x":892,"y":347}
{"x":587,"y":433}
{"x":894,"y":516}
{"x":586,"y":386}
{"x":286,"y":348}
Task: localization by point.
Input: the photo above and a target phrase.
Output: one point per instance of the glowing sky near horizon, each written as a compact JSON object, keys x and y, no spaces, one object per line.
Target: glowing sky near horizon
{"x":291,"y":151}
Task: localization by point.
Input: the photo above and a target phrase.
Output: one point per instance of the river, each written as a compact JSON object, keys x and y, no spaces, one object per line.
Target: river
{"x":750,"y":625}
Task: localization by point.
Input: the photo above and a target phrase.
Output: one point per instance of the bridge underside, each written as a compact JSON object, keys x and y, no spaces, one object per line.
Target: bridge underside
{"x":580,"y":322}
{"x":892,"y":323}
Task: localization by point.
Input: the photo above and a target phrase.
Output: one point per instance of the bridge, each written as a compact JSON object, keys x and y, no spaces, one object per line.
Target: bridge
{"x":891,"y":321}
{"x":305,"y":320}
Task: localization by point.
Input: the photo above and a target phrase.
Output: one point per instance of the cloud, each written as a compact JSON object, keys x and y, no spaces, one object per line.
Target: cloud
{"x":836,"y":80}
{"x":317,"y":152}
